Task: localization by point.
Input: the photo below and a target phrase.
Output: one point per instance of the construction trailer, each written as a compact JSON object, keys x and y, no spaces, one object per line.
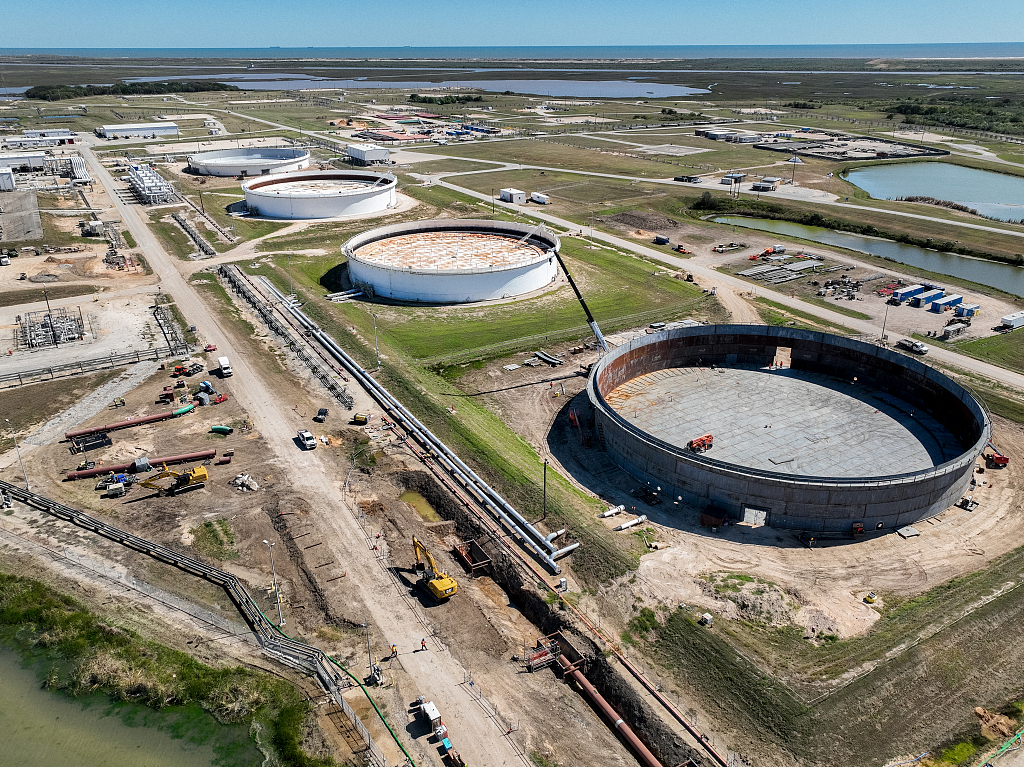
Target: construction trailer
{"x":954,"y":330}
{"x":945,"y":303}
{"x":539,"y":198}
{"x":968,"y":310}
{"x":902,"y":294}
{"x":924,"y":299}
{"x":515,"y":196}
{"x":1014,"y":320}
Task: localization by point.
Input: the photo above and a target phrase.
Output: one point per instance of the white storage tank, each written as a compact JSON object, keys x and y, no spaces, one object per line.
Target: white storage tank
{"x":251,"y":161}
{"x":515,"y":196}
{"x":320,"y":194}
{"x":452,"y":261}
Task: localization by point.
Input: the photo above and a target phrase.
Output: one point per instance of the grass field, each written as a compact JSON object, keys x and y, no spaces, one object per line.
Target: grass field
{"x":1005,"y":349}
{"x":774,"y":313}
{"x":31,"y":295}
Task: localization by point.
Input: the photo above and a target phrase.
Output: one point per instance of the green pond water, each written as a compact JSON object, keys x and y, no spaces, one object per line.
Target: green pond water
{"x":41,"y":728}
{"x":421,"y":504}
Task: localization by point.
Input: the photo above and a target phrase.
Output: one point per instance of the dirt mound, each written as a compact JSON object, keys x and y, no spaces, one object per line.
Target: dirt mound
{"x":751,"y":599}
{"x":639,"y":219}
{"x":997,"y":725}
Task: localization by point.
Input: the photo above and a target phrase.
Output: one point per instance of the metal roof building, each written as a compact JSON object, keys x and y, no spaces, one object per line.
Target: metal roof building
{"x":138,"y":130}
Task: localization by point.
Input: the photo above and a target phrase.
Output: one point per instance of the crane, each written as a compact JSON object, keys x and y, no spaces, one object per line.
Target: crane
{"x":438,"y":583}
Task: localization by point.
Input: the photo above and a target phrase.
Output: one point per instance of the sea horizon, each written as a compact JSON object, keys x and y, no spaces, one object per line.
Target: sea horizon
{"x":1000,"y":50}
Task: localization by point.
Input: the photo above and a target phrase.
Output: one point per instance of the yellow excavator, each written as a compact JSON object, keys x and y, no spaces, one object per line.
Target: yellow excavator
{"x":190,"y":479}
{"x":439,"y":584}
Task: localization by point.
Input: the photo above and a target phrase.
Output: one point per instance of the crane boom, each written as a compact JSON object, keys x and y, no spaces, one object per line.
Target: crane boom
{"x":586,"y":309}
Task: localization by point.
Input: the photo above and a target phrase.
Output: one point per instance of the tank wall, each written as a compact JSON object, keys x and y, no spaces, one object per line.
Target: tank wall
{"x":453,"y":287}
{"x":805,"y":503}
{"x":267,"y":203}
{"x":255,"y":168}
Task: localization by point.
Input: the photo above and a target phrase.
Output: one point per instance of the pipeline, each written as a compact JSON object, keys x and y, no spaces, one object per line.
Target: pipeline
{"x":116,"y":467}
{"x":640,"y":751}
{"x":632,"y":523}
{"x":532,"y":538}
{"x":125,"y":424}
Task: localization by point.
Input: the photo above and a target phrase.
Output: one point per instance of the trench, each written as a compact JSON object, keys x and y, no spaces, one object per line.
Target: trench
{"x":635,"y":711}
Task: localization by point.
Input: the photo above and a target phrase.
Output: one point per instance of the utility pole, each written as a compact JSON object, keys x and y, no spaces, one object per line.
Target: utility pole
{"x":884,"y":319}
{"x":53,"y":332}
{"x":291,"y":283}
{"x":277,"y":592}
{"x":369,"y":655}
{"x":18,"y":448}
{"x":376,"y":349}
{"x":545,"y":489}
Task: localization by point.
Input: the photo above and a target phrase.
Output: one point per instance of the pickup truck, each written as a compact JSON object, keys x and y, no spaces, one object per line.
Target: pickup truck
{"x":308,"y":440}
{"x":912,"y":346}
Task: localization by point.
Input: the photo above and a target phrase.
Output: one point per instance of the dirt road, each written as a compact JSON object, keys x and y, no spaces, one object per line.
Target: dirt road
{"x":435,"y":672}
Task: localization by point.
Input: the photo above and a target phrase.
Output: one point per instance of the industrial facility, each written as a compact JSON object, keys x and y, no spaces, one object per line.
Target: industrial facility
{"x":252,"y":161}
{"x":320,"y":194}
{"x":452,"y":261}
{"x":789,"y":428}
{"x":137,"y":130}
{"x":148,"y":185}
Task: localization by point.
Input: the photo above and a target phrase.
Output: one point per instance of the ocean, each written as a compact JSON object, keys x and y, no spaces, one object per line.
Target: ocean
{"x":597,"y":52}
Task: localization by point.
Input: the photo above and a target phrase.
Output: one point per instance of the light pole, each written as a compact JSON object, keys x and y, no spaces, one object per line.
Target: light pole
{"x":291,"y":284}
{"x":53,"y":331}
{"x":369,"y":655}
{"x":376,"y":349}
{"x":884,"y":319}
{"x":18,"y":448}
{"x":273,"y":569}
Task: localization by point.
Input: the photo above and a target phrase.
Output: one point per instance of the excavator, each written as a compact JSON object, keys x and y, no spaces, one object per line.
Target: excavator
{"x":190,"y":479}
{"x":439,"y":584}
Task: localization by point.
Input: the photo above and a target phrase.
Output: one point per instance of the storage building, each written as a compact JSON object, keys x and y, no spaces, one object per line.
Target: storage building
{"x":902,"y":294}
{"x":1014,"y":320}
{"x":766,"y":184}
{"x":368,"y":154}
{"x":515,"y":196}
{"x":30,"y":142}
{"x":31,"y":161}
{"x":968,"y":310}
{"x":138,"y":130}
{"x":945,"y":303}
{"x":6,"y":180}
{"x":923,"y":299}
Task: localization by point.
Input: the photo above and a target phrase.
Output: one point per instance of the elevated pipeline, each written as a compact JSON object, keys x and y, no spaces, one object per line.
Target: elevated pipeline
{"x":533,"y":539}
{"x":640,"y":751}
{"x":116,"y":467}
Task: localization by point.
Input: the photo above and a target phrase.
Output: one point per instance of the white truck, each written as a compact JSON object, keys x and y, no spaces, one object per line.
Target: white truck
{"x":225,"y":367}
{"x":308,"y":440}
{"x":912,"y":346}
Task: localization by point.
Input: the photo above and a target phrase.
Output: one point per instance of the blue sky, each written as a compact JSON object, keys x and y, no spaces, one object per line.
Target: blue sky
{"x":299,"y":23}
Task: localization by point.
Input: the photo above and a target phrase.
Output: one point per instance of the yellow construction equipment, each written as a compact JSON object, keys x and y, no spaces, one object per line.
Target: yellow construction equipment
{"x":190,"y":479}
{"x":439,"y":584}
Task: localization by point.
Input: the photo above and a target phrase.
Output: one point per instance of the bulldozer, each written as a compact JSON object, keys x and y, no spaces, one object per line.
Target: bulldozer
{"x":439,"y":584}
{"x":190,"y":479}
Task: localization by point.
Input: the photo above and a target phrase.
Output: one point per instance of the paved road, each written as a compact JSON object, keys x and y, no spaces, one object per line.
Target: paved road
{"x":713,"y":277}
{"x":435,"y":673}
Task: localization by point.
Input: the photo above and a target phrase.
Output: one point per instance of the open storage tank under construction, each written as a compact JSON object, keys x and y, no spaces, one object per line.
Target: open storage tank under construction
{"x":452,"y":261}
{"x":811,"y":431}
{"x":251,"y":161}
{"x":320,"y":194}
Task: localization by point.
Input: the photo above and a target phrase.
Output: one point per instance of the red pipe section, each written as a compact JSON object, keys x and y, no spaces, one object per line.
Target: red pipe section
{"x":116,"y":467}
{"x":640,"y":751}
{"x":120,"y":425}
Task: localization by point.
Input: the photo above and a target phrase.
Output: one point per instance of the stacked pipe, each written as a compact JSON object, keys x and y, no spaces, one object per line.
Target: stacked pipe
{"x":117,"y":467}
{"x":125,"y":424}
{"x":541,"y":545}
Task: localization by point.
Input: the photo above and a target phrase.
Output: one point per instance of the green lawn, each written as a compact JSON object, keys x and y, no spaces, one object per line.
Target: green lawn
{"x":775,"y":313}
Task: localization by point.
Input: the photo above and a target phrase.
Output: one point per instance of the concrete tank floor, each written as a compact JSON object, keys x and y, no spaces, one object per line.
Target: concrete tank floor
{"x":786,"y":421}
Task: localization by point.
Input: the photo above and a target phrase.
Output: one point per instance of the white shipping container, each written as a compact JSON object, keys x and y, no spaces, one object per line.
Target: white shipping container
{"x":539,"y":198}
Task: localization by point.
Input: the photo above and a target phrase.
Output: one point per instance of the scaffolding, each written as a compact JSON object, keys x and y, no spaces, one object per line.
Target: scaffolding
{"x":37,"y":330}
{"x":148,"y":185}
